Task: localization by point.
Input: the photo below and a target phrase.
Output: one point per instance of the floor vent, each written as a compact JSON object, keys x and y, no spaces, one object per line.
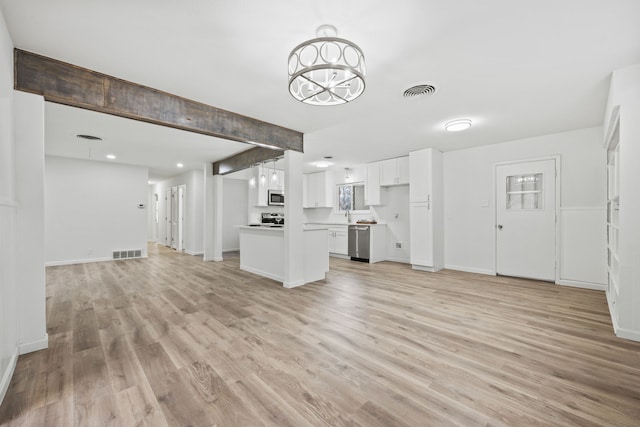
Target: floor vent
{"x":132,"y":253}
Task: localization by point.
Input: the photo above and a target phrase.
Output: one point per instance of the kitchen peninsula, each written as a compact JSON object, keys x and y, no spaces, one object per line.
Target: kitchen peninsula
{"x":262,"y":252}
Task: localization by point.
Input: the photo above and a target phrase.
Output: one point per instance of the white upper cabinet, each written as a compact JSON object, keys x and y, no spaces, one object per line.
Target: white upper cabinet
{"x":372,"y":184}
{"x":394,"y":171}
{"x":319,"y":190}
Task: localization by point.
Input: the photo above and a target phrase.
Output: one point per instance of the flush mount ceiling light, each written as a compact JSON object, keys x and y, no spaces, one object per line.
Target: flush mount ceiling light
{"x":326,"y":70}
{"x":457,"y":125}
{"x":111,"y":156}
{"x":322,"y":164}
{"x":180,"y":165}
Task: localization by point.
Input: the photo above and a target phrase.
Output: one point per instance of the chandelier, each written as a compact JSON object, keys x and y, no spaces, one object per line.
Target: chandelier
{"x":326,"y":70}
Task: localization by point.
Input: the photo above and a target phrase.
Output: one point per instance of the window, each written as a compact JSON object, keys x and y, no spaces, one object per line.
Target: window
{"x":524,"y":192}
{"x":351,"y":197}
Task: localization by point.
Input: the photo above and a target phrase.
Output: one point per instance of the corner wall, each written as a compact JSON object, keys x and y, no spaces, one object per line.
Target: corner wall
{"x":9,"y":322}
{"x":92,"y":210}
{"x":470,"y":203}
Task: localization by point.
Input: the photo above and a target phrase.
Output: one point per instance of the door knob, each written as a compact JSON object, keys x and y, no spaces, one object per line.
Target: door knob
{"x":499,"y":226}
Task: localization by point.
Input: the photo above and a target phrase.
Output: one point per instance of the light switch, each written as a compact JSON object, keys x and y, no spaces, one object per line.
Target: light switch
{"x":484,"y":203}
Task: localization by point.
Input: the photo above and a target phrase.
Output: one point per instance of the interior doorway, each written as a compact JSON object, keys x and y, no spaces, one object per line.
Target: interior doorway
{"x":175,"y":211}
{"x":526,"y":219}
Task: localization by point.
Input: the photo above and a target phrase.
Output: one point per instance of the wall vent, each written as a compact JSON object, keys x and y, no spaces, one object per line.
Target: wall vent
{"x":128,"y":254}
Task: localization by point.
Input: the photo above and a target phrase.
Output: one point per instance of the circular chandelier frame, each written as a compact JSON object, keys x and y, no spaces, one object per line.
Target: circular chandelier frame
{"x":326,"y":71}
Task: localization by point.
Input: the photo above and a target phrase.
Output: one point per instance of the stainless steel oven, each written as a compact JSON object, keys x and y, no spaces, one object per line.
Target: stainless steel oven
{"x":276,"y":198}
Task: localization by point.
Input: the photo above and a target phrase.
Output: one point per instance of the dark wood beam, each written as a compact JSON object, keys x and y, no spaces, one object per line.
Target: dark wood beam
{"x":69,"y":84}
{"x":244,"y":160}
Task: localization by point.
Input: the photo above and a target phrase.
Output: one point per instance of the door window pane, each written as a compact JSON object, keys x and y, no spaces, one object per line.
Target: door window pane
{"x":524,"y":192}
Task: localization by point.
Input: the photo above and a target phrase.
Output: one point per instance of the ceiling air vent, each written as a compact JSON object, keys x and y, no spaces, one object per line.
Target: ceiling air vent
{"x":417,"y":90}
{"x":89,"y":137}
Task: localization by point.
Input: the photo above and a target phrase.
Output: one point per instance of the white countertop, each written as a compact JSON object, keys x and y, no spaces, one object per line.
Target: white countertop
{"x":267,"y":228}
{"x":329,"y":224}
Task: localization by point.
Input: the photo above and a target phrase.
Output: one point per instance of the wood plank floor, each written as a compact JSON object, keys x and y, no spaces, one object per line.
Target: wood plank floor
{"x":170,"y":340}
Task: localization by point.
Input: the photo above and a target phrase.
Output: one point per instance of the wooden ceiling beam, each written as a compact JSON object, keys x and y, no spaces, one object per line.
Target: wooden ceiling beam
{"x":244,"y":160}
{"x":69,"y":84}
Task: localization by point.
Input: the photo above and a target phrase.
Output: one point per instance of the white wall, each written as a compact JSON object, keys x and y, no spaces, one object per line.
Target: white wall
{"x":395,"y":212}
{"x":91,"y":210}
{"x":193,"y":209}
{"x":234,"y":211}
{"x":9,"y":321}
{"x":468,"y":181}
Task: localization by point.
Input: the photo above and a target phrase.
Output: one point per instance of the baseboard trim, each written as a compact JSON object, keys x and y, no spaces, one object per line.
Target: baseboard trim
{"x":423,"y":268}
{"x":30,"y":347}
{"x":230,"y":250}
{"x":8,"y":373}
{"x":216,"y":259}
{"x":262,"y":273}
{"x":400,"y":260}
{"x":339,"y":256}
{"x":470,"y":269}
{"x":75,"y":261}
{"x":193,"y":253}
{"x":295,"y":284}
{"x":628,"y":334}
{"x":612,"y":313}
{"x":582,"y":285}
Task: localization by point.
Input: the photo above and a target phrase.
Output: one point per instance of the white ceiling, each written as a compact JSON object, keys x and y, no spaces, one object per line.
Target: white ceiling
{"x":516,"y":68}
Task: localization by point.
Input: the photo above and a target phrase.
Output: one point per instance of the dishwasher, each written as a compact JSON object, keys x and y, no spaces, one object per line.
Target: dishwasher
{"x":359,"y":243}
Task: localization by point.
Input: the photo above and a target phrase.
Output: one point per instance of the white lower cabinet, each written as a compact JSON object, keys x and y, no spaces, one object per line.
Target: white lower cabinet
{"x":338,"y":240}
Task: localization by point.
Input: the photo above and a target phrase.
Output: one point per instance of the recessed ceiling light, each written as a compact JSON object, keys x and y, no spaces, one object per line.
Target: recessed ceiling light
{"x":322,"y":164}
{"x":457,"y":125}
{"x":111,"y":156}
{"x":180,"y":165}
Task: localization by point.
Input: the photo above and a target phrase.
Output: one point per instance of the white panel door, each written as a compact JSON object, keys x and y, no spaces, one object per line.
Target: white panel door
{"x":180,"y":238}
{"x":526,"y":220}
{"x":167,"y":219}
{"x":174,"y":217}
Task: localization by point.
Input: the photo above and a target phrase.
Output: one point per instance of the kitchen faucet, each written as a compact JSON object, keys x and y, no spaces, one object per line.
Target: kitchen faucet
{"x":347,"y":214}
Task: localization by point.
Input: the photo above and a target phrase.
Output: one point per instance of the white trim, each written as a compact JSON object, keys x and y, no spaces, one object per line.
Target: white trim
{"x":193,"y":253}
{"x":558,"y":160}
{"x":612,"y":313}
{"x":30,"y":347}
{"x":76,"y":261}
{"x":401,"y":260}
{"x":295,"y":284}
{"x":583,"y":285}
{"x":230,"y":250}
{"x":470,"y":269}
{"x":265,"y":274}
{"x":8,"y":202}
{"x":628,"y":334}
{"x":335,"y":255}
{"x":8,"y":373}
{"x":212,"y":259}
{"x":88,"y":260}
{"x":423,"y":268}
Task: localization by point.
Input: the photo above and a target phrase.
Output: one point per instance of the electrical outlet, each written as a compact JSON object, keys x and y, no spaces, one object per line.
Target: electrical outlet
{"x":398,"y":245}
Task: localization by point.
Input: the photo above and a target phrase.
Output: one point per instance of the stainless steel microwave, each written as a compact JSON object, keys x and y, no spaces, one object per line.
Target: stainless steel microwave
{"x":276,"y":198}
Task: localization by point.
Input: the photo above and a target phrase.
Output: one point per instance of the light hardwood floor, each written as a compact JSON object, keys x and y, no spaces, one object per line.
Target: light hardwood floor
{"x":170,"y":340}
